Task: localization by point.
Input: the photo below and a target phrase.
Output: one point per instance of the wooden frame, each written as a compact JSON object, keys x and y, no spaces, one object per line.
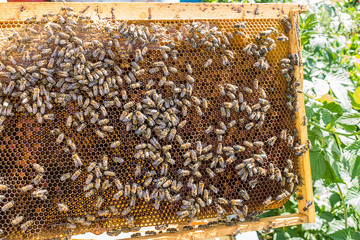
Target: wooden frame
{"x":187,"y":11}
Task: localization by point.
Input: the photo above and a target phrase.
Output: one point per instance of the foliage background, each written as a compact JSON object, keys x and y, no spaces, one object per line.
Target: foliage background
{"x":331,"y":59}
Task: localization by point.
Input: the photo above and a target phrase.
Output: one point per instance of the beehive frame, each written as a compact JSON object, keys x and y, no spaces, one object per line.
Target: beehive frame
{"x":12,"y":12}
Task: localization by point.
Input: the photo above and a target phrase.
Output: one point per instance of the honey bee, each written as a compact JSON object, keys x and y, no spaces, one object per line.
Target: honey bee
{"x":106,"y":184}
{"x":38,"y":168}
{"x":7,"y":206}
{"x":89,"y":193}
{"x":214,"y":189}
{"x":71,"y":144}
{"x":99,"y":202}
{"x":208,"y":63}
{"x":126,"y":211}
{"x":17,"y":220}
{"x":26,"y":225}
{"x":118,"y":194}
{"x":60,"y":138}
{"x":245,"y":195}
{"x":290,"y":141}
{"x":65,"y":176}
{"x":63,"y":207}
{"x":76,"y":175}
{"x":282,"y":196}
{"x":37,"y":179}
{"x":189,"y":68}
{"x":99,"y":133}
{"x":278,"y":175}
{"x":271,"y":141}
{"x":307,"y":206}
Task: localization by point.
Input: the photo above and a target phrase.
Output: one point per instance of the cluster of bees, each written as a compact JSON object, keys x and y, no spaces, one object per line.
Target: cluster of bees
{"x":66,"y":67}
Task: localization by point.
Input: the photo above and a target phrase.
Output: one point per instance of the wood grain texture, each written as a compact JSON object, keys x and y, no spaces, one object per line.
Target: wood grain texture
{"x":151,"y":11}
{"x":304,"y":160}
{"x":222,"y":230}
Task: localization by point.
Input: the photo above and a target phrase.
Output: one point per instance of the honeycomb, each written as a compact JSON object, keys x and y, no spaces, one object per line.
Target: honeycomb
{"x":121,"y":125}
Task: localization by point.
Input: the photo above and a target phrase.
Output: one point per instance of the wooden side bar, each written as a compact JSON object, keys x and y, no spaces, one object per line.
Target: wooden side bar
{"x":305,"y":191}
{"x":222,"y":230}
{"x":149,"y":11}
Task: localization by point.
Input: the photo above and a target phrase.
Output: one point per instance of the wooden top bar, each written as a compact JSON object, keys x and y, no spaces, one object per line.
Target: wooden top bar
{"x":153,"y":11}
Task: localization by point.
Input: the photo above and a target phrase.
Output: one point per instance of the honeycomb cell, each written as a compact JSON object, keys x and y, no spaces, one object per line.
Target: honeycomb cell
{"x":138,"y":150}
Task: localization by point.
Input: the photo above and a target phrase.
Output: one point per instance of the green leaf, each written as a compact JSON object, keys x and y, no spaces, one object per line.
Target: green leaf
{"x":328,"y":216}
{"x":357,"y":95}
{"x":326,"y":116}
{"x":353,"y":197}
{"x":335,"y":226}
{"x":334,"y":199}
{"x":355,"y":167}
{"x":333,"y":107}
{"x":355,"y":235}
{"x":354,"y":148}
{"x":310,"y":22}
{"x":344,"y":234}
{"x":354,"y":104}
{"x":332,"y":174}
{"x":318,"y":164}
{"x":281,"y":236}
{"x":349,"y":119}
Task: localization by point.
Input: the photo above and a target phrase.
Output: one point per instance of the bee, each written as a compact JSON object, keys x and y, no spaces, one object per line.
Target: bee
{"x":278,"y":175}
{"x":7,"y":206}
{"x":65,"y":176}
{"x":118,"y":194}
{"x":171,"y":230}
{"x":240,"y":25}
{"x":290,"y":141}
{"x":220,"y":210}
{"x":38,"y":168}
{"x":225,"y":60}
{"x":91,"y":166}
{"x":63,"y":207}
{"x":89,"y":179}
{"x":60,"y":138}
{"x":37,"y":179}
{"x":189,"y":68}
{"x":253,"y":182}
{"x":208,"y":63}
{"x":282,"y":196}
{"x":71,"y":144}
{"x":98,"y":172}
{"x":249,"y":125}
{"x":90,"y":193}
{"x":262,"y":171}
{"x":99,"y":202}
{"x":106,"y":184}
{"x":307,"y":206}
{"x":245,"y":195}
{"x":40,"y":193}
{"x":126,"y":211}
{"x":109,"y":173}
{"x":69,"y":121}
{"x":173,"y":70}
{"x":309,"y":146}
{"x":26,"y":225}
{"x":214,"y":189}
{"x":76,"y":175}
{"x":150,"y":233}
{"x":17,"y":220}
{"x":27,"y":188}
{"x":271,"y":141}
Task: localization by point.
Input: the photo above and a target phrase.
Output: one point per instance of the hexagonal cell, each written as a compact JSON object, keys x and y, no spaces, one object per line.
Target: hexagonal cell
{"x":120,"y":99}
